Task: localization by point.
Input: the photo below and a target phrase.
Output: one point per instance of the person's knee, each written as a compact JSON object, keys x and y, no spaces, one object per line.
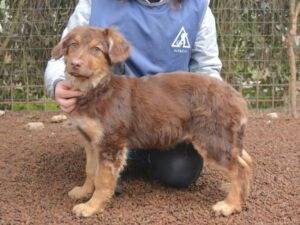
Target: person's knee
{"x":178,"y":167}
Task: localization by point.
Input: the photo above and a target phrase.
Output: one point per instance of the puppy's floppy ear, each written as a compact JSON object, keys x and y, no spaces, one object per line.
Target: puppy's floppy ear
{"x":61,"y":48}
{"x":118,"y":47}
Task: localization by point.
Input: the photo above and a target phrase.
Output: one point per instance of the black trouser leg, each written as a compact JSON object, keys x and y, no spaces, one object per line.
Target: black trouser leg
{"x":177,"y":167}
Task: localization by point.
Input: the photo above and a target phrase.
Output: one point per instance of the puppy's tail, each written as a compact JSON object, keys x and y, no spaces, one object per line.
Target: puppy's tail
{"x":245,"y":173}
{"x":246,"y":157}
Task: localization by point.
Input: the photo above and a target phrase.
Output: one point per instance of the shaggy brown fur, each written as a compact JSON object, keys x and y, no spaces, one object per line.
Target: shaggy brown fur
{"x":117,"y":113}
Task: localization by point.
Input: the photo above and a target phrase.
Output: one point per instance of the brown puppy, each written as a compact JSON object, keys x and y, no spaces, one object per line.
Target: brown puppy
{"x":154,"y":112}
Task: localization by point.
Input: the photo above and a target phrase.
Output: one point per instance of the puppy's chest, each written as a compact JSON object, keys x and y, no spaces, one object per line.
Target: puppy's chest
{"x":90,"y":128}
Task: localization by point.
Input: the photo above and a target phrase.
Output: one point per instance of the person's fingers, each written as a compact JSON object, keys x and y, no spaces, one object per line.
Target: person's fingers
{"x":68,"y":93}
{"x":67,"y":102}
{"x":66,"y":84}
{"x":67,"y":109}
{"x":72,"y":94}
{"x":63,"y":90}
{"x":65,"y":97}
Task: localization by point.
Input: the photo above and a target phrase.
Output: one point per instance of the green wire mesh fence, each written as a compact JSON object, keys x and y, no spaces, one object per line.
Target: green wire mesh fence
{"x":251,"y":36}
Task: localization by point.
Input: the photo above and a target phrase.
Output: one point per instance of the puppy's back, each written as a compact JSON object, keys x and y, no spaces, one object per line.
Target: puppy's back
{"x":198,"y":90}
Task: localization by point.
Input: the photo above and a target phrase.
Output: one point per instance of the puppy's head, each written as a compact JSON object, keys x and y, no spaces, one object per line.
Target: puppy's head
{"x":90,"y":52}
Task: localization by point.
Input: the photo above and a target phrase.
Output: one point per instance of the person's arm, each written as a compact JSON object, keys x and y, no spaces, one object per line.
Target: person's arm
{"x":55,"y":70}
{"x":205,"y":54}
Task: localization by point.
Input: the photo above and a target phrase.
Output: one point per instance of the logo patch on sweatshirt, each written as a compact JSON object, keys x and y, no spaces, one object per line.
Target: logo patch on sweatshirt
{"x":181,"y":42}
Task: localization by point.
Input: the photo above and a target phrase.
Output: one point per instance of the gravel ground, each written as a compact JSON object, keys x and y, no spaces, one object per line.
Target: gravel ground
{"x":38,"y":168}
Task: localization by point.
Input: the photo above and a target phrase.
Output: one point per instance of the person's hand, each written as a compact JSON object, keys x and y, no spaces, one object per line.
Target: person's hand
{"x":65,"y":96}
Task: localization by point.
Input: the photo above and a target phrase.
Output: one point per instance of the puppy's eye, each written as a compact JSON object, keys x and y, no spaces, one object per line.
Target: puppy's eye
{"x":73,"y":45}
{"x":96,"y":50}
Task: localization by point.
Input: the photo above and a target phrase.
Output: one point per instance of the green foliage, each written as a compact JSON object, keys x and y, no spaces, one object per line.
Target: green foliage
{"x":49,"y":106}
{"x":30,"y":106}
{"x":28,"y":31}
{"x":252,"y":49}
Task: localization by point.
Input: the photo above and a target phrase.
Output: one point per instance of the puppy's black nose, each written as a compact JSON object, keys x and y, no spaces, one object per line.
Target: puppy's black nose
{"x":76,"y":63}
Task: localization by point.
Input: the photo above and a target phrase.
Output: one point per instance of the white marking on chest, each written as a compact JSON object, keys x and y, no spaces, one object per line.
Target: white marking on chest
{"x":92,"y":127}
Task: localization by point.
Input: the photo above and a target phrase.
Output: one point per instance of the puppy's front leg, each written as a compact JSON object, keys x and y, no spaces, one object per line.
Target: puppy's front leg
{"x":105,"y":180}
{"x":91,"y":165}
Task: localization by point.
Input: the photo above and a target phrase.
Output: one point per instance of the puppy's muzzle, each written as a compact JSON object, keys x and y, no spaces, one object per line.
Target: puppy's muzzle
{"x":76,"y":67}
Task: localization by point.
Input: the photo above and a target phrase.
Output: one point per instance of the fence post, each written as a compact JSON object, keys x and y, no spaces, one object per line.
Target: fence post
{"x":294,"y":12}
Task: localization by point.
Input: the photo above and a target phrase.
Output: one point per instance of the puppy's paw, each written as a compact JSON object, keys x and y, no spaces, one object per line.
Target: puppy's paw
{"x":79,"y":192}
{"x":226,"y":209}
{"x":85,"y":210}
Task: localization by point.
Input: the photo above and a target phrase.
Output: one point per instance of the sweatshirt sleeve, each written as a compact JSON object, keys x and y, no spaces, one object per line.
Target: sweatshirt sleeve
{"x":55,"y":69}
{"x":205,"y":54}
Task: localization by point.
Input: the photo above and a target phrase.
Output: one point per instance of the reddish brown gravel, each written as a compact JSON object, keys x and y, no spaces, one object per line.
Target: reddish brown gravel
{"x":38,"y":168}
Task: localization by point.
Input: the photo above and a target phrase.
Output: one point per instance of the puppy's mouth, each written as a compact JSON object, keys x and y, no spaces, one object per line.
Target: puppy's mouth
{"x":78,"y":75}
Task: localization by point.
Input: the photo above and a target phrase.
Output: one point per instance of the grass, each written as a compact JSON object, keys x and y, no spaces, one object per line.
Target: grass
{"x":31,"y":106}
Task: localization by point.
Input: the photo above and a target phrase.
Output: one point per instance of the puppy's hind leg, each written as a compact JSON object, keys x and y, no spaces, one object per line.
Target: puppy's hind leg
{"x":239,"y":172}
{"x":91,"y":164}
{"x":239,"y":175}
